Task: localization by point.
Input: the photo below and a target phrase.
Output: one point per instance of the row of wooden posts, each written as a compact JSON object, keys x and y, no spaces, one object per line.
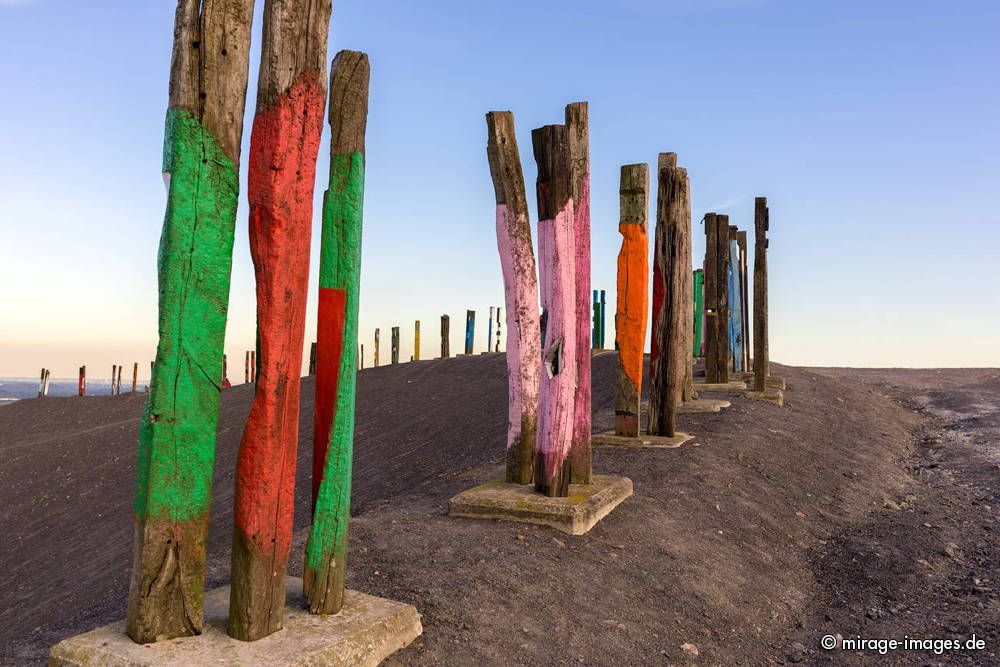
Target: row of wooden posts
{"x":81,"y":385}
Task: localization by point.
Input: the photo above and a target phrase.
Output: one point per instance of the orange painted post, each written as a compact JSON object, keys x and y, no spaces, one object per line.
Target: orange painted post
{"x":633,"y":282}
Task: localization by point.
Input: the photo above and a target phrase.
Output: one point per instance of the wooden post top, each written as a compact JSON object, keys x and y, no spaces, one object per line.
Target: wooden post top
{"x":349,"y":77}
{"x":504,"y":159}
{"x":554,"y":184}
{"x":633,"y":194}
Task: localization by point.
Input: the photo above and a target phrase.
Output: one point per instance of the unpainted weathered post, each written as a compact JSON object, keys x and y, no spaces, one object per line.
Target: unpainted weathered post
{"x":395,"y":346}
{"x":135,"y":372}
{"x":375,"y":358}
{"x":288,"y":124}
{"x":445,"y":337}
{"x":577,"y":118}
{"x":489,"y":331}
{"x":204,"y":127}
{"x":556,"y":258}
{"x":671,"y":345}
{"x":722,"y":269}
{"x":337,"y":340}
{"x":517,"y":261}
{"x":253,"y":366}
{"x":632,"y":283}
{"x":497,"y":346}
{"x":81,"y":383}
{"x":312,"y":358}
{"x":761,"y":361}
{"x":246,"y":368}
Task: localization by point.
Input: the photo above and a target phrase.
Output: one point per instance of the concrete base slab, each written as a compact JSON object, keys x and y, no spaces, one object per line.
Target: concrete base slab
{"x":576,"y":514}
{"x":609,"y":439}
{"x":702,"y":405}
{"x":775,"y":396}
{"x":735,"y":385}
{"x":775,"y":382}
{"x":366,"y":631}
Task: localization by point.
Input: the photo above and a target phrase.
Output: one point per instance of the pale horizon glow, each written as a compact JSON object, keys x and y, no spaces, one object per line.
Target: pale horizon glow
{"x":870,"y":127}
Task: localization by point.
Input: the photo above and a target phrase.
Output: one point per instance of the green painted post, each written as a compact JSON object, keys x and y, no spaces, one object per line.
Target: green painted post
{"x":699,"y":309}
{"x":337,"y":348}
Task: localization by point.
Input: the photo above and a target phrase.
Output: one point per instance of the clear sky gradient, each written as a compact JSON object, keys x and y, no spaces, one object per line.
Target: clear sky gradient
{"x":872,"y":128}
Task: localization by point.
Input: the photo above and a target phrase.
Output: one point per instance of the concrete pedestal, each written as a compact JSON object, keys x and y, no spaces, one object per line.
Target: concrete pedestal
{"x":609,"y":439}
{"x":769,"y":395}
{"x":366,"y":631}
{"x":736,"y":385}
{"x":702,"y":405}
{"x":576,"y":514}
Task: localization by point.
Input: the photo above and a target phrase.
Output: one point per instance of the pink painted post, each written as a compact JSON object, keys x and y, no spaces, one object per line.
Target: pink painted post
{"x":578,"y":135}
{"x":557,"y":270}
{"x":517,"y":260}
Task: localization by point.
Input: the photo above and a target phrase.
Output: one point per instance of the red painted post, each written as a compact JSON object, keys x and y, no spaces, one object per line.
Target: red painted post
{"x":291,"y":97}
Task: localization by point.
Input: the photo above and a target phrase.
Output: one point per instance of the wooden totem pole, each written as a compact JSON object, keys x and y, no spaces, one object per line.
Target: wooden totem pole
{"x":517,"y":260}
{"x":557,"y":260}
{"x":741,"y":241}
{"x":761,"y":361}
{"x":445,"y":337}
{"x":578,"y":135}
{"x":470,"y":330}
{"x":671,"y":346}
{"x":337,"y":339}
{"x":716,"y":298}
{"x":633,"y":283}
{"x":291,"y":96}
{"x":204,"y":127}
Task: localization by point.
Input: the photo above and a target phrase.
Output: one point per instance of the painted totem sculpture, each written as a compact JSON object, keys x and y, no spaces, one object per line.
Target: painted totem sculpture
{"x":204,"y":128}
{"x":517,"y":261}
{"x":670,"y":347}
{"x":337,"y":337}
{"x":578,"y":135}
{"x":735,"y":303}
{"x":291,"y":96}
{"x":557,"y":272}
{"x":761,"y":361}
{"x":633,"y":283}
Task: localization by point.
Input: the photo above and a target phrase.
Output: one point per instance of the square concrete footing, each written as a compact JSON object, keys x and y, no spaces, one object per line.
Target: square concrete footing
{"x":365,"y":632}
{"x":576,"y":514}
{"x":769,"y":395}
{"x":702,"y":405}
{"x":775,"y":382}
{"x":610,"y":439}
{"x":735,"y":385}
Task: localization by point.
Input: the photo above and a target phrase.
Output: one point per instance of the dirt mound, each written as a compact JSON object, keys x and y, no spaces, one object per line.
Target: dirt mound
{"x":719,"y":549}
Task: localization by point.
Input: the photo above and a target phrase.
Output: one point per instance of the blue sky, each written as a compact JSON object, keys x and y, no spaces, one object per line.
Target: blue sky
{"x":870,"y":126}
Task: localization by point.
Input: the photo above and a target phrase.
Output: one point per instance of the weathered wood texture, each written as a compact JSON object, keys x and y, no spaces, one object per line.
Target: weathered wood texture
{"x":337,"y":337}
{"x":517,"y":262}
{"x":312,"y":358}
{"x":632,"y":306}
{"x":395,"y":346}
{"x":716,"y":298}
{"x":135,"y":373}
{"x":81,"y":382}
{"x":671,"y":302}
{"x":375,"y":359}
{"x":246,"y":368}
{"x":578,"y":135}
{"x":557,"y":269}
{"x":470,"y":330}
{"x":741,"y":240}
{"x":204,"y":128}
{"x":735,"y":294}
{"x":445,"y":337}
{"x":761,"y":361}
{"x":284,"y":144}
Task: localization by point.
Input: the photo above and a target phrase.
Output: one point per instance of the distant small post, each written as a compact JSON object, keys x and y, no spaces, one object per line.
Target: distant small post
{"x":375,"y":362}
{"x":41,"y":383}
{"x":225,"y":370}
{"x":246,"y":369}
{"x":445,"y":335}
{"x":489,"y":331}
{"x":312,"y":359}
{"x":118,"y":382}
{"x":470,"y":330}
{"x":361,"y":363}
{"x":595,"y":338}
{"x":416,"y":340}
{"x":81,"y":383}
{"x":395,"y":345}
{"x":253,"y":366}
{"x":761,"y":361}
{"x":741,"y":240}
{"x":135,"y":372}
{"x":497,"y":348}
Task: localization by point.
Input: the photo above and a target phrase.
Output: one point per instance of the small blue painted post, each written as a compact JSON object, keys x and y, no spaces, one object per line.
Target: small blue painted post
{"x":735,"y":305}
{"x":489,"y":332}
{"x":470,"y":330}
